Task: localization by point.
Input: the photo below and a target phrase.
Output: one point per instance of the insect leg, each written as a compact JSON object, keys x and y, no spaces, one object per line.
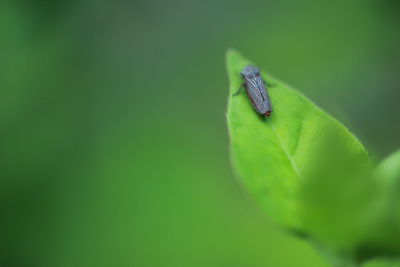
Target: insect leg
{"x":268,"y":84}
{"x":238,"y":91}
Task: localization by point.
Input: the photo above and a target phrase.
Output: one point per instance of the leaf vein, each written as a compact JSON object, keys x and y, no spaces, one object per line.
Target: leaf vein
{"x":298,"y":138}
{"x":291,"y":160}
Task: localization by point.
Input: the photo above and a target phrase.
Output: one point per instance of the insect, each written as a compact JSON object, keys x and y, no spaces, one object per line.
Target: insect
{"x":256,"y":90}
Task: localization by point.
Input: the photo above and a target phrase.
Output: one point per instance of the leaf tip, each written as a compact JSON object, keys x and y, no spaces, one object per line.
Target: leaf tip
{"x":230,"y":51}
{"x":231,"y":54}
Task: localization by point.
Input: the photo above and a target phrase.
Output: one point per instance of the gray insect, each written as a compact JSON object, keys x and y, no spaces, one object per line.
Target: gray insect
{"x":256,"y":90}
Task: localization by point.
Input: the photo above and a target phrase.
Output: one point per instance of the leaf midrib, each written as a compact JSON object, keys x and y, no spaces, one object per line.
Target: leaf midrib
{"x":287,"y":154}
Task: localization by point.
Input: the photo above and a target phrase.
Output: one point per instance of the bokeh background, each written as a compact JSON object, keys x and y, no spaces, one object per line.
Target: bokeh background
{"x":114,"y":147}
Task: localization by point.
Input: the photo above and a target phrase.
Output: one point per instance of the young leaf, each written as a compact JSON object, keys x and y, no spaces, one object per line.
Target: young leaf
{"x":306,"y":169}
{"x":389,"y":168}
{"x":384,"y":237}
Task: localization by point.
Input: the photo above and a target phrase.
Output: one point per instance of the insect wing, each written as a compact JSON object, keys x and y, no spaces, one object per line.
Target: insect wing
{"x":257,"y":93}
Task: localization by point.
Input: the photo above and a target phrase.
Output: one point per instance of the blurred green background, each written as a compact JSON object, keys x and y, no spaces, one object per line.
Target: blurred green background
{"x":114,"y":147}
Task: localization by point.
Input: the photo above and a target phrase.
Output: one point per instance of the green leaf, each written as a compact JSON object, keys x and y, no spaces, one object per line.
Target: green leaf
{"x":308,"y":172}
{"x":389,"y":169}
{"x":384,"y":237}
